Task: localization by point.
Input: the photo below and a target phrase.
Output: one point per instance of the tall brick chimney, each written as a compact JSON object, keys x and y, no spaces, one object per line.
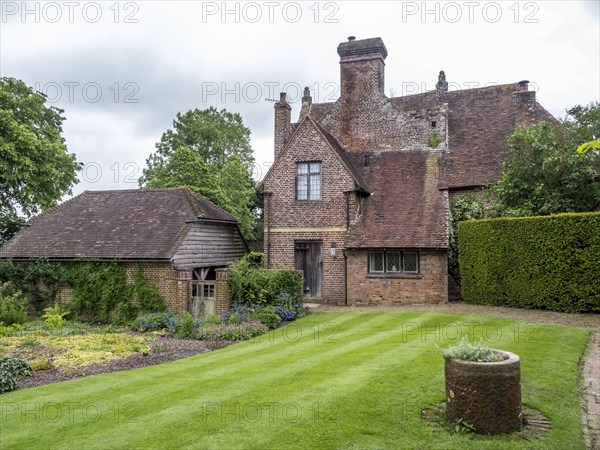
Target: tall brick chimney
{"x":361,"y":67}
{"x":283,"y":119}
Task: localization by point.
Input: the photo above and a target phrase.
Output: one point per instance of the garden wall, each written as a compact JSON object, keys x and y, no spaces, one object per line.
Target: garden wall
{"x":550,"y":262}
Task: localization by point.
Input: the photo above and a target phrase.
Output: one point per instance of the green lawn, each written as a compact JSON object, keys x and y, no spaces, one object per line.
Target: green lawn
{"x":330,"y":380}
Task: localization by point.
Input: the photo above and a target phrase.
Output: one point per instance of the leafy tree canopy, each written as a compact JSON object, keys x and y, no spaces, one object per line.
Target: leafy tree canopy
{"x":208,"y":151}
{"x":35,"y":169}
{"x":187,"y":168}
{"x":545,"y":174}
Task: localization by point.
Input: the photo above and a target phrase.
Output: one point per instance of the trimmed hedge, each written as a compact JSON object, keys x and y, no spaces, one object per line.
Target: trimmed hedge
{"x":258,"y":286}
{"x":550,"y":262}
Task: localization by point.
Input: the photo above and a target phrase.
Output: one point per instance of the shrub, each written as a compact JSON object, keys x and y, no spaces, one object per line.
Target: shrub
{"x":289,"y":306}
{"x":213,"y":319}
{"x":238,"y":313}
{"x":467,"y":351}
{"x":232,"y":331}
{"x":255,"y":259}
{"x":10,"y":330}
{"x":548,"y":262}
{"x":12,"y":370}
{"x":40,"y":364}
{"x":267,"y":315}
{"x":247,"y":313}
{"x":55,"y":316}
{"x":12,"y":305}
{"x":188,"y":326}
{"x":260,"y":286}
{"x":166,"y":321}
{"x":124,"y":313}
{"x":39,"y":280}
{"x":465,"y":207}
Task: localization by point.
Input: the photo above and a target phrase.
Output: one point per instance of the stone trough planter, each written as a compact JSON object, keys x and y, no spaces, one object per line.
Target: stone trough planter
{"x":485,"y":394}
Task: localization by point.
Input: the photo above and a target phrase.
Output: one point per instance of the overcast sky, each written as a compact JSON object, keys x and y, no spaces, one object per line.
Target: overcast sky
{"x":122,"y":70}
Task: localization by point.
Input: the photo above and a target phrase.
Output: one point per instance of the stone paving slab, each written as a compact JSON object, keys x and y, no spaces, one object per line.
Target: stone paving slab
{"x":591,"y":395}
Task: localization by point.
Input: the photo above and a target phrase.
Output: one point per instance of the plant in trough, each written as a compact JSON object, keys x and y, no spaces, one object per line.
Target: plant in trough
{"x":467,"y":351}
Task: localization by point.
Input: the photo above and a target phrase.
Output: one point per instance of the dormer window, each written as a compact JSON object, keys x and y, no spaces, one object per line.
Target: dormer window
{"x":308,"y":181}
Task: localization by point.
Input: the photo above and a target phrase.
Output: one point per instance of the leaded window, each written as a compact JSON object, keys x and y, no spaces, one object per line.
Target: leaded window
{"x":308,"y":181}
{"x":393,"y":262}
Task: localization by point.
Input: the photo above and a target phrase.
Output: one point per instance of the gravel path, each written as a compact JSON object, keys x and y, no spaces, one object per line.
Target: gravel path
{"x":589,"y":321}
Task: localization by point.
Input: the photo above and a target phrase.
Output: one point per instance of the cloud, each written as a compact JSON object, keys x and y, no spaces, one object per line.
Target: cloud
{"x":121,"y":78}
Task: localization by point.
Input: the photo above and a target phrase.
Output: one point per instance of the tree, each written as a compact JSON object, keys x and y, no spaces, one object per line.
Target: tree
{"x":214,"y":135}
{"x":186,"y":168}
{"x":35,"y":168}
{"x":238,"y":188}
{"x":208,"y":151}
{"x":545,"y":174}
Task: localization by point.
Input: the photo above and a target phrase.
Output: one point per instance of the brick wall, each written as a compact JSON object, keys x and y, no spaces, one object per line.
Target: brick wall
{"x":283,"y":257}
{"x":308,"y":145}
{"x":171,"y":284}
{"x":222,"y":291}
{"x":288,"y":220}
{"x":378,"y":125}
{"x":430,"y":286}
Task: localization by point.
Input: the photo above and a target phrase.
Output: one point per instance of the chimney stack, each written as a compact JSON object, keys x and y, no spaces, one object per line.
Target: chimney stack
{"x":361,"y":67}
{"x":306,"y":104}
{"x":283,"y":120}
{"x":441,"y":87}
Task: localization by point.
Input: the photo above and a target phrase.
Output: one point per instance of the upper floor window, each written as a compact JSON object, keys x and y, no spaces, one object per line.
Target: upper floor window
{"x":308,"y":181}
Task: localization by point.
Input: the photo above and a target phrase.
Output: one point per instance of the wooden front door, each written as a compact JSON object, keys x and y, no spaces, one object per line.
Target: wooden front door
{"x":309,"y":259}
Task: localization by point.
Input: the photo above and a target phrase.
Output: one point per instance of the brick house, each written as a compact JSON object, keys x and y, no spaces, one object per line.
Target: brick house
{"x":359,"y":191}
{"x":179,"y":239}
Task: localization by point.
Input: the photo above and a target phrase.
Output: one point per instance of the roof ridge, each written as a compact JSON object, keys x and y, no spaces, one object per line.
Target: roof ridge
{"x":433,"y":91}
{"x":190,"y":197}
{"x":140,"y":189}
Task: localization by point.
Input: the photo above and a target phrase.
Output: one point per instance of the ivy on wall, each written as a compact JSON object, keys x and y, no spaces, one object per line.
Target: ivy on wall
{"x":99,"y":289}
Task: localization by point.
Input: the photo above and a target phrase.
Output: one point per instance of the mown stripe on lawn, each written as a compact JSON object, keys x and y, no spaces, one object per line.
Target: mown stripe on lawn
{"x":181,"y":404}
{"x":378,"y":362}
{"x":172,"y":385}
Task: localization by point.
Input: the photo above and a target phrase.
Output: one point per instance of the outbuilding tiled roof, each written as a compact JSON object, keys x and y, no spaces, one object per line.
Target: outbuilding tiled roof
{"x":141,"y":224}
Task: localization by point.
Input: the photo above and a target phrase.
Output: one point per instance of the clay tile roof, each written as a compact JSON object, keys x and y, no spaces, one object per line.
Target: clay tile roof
{"x":426,"y":100}
{"x":406,"y":208}
{"x":333,"y":142}
{"x":318,"y":110}
{"x":479,"y":122}
{"x":130,"y":224}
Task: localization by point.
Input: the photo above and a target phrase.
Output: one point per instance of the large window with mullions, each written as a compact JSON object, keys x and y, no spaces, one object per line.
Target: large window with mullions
{"x":394,"y":262}
{"x":308,"y":181}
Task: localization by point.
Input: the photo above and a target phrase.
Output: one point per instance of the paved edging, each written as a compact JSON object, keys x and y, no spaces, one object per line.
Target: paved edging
{"x":590,"y":397}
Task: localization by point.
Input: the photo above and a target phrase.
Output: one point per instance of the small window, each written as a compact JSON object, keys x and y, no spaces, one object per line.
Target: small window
{"x":376,"y":262}
{"x":394,"y":262}
{"x":308,"y":181}
{"x":410,"y":262}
